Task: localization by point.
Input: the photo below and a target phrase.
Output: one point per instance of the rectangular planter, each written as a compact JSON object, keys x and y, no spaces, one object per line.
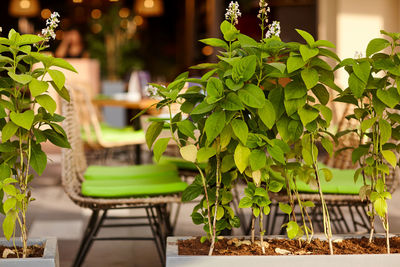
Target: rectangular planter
{"x":365,"y":260}
{"x":50,"y":256}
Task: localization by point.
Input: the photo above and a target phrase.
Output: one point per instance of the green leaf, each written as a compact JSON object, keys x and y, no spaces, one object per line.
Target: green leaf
{"x":324,"y":43}
{"x":37,"y":87}
{"x":307,"y":115}
{"x":63,"y":92}
{"x":308,"y":204}
{"x":380,"y":206}
{"x":20,"y":78}
{"x":356,"y":85}
{"x":9,"y":224}
{"x":362,"y":70}
{"x":244,"y":69}
{"x":252,"y":96}
{"x":29,"y":39}
{"x":47,"y":102}
{"x":267,"y":114}
{"x":307,"y":52}
{"x":159,"y":147}
{"x":228,"y":163}
{"x":240,"y":129}
{"x":386,"y":131}
{"x":153,"y":132}
{"x":187,"y":128}
{"x":228,"y":30}
{"x":246,"y":41}
{"x":294,"y":63}
{"x":275,"y":186}
{"x":241,"y":157}
{"x":390,"y":157}
{"x":191,"y":192}
{"x":225,"y":136}
{"x":58,"y":78}
{"x":220,"y":212}
{"x":233,"y":86}
{"x":327,"y":174}
{"x":38,"y":159}
{"x":389,"y":97}
{"x":56,"y":138}
{"x":24,"y":120}
{"x":202,"y":108}
{"x":215,"y":42}
{"x":310,"y":77}
{"x":376,"y":45}
{"x":256,"y":211}
{"x":8,"y":131}
{"x":214,"y":125}
{"x":276,"y":153}
{"x":307,"y":157}
{"x":205,"y":153}
{"x":189,"y":153}
{"x":5,"y":171}
{"x":321,"y":93}
{"x":245,"y":202}
{"x":285,"y":208}
{"x":358,"y":153}
{"x":306,"y":36}
{"x":292,"y":229}
{"x":366,"y":124}
{"x":197,"y":218}
{"x":257,"y":159}
{"x":279,"y":66}
{"x":62,"y":63}
{"x":232,"y":102}
{"x":294,"y":90}
{"x":214,"y":88}
{"x":9,"y":204}
{"x":328,"y":146}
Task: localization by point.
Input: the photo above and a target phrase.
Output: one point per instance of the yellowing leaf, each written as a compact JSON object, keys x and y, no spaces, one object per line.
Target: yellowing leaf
{"x":189,"y":153}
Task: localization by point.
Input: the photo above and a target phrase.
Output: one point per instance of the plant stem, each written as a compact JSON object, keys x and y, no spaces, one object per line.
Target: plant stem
{"x":253,"y":221}
{"x":261,"y":223}
{"x":325,"y":212}
{"x":386,"y":225}
{"x":218,"y":185}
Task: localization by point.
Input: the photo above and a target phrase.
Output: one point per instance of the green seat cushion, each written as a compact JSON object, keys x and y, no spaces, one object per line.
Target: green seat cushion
{"x":131,"y":188}
{"x":181,"y":163}
{"x":111,"y":134}
{"x":341,"y":183}
{"x":149,"y":171}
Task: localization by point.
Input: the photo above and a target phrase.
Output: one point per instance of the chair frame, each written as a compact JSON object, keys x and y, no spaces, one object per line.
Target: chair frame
{"x":73,"y":166}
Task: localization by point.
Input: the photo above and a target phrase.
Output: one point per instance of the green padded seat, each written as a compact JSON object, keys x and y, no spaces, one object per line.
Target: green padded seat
{"x":111,"y":134}
{"x":181,"y":163}
{"x":131,"y":181}
{"x":341,"y":183}
{"x":131,"y":188}
{"x":150,"y":171}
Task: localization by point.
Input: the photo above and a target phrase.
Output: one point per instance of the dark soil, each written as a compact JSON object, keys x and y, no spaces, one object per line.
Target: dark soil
{"x":291,"y":247}
{"x":35,"y":251}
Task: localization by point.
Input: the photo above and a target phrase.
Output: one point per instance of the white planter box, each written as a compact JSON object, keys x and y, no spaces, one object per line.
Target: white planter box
{"x":50,"y":255}
{"x":365,"y":260}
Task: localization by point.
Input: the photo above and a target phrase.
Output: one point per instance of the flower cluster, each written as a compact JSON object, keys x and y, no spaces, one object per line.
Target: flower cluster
{"x":274,"y":29}
{"x":264,"y":10}
{"x":233,"y":13}
{"x":358,"y":55}
{"x":52,"y":24}
{"x":152,"y":91}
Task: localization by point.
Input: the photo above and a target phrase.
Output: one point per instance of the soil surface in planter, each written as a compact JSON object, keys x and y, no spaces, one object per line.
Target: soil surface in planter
{"x":236,"y":246}
{"x":35,"y":251}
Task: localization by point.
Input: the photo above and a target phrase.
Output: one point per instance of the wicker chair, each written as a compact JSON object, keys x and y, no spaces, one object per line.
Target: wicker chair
{"x":73,"y":167}
{"x":97,"y":135}
{"x":336,"y":203}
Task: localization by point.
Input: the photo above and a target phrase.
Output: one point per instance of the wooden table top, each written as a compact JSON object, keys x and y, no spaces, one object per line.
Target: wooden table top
{"x":142,"y":104}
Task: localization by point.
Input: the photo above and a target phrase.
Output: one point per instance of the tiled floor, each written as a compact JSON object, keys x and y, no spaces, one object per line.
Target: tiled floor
{"x":53,"y":214}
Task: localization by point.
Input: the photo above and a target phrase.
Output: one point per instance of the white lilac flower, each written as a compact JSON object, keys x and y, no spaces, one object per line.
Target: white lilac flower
{"x":358,"y":55}
{"x":274,"y":29}
{"x":152,"y":91}
{"x":233,"y":13}
{"x":264,"y":10}
{"x":52,"y":24}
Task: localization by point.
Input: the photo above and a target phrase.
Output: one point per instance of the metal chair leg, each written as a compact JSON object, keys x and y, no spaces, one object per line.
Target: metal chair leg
{"x":90,"y":229}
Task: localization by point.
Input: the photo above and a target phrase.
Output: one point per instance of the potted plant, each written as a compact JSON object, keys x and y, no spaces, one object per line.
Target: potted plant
{"x":27,"y":120}
{"x":373,"y":91}
{"x":256,"y":115}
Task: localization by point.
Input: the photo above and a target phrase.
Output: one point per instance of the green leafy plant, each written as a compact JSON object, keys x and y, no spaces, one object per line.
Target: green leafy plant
{"x":255,"y":115}
{"x":373,"y":90}
{"x":27,"y":119}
